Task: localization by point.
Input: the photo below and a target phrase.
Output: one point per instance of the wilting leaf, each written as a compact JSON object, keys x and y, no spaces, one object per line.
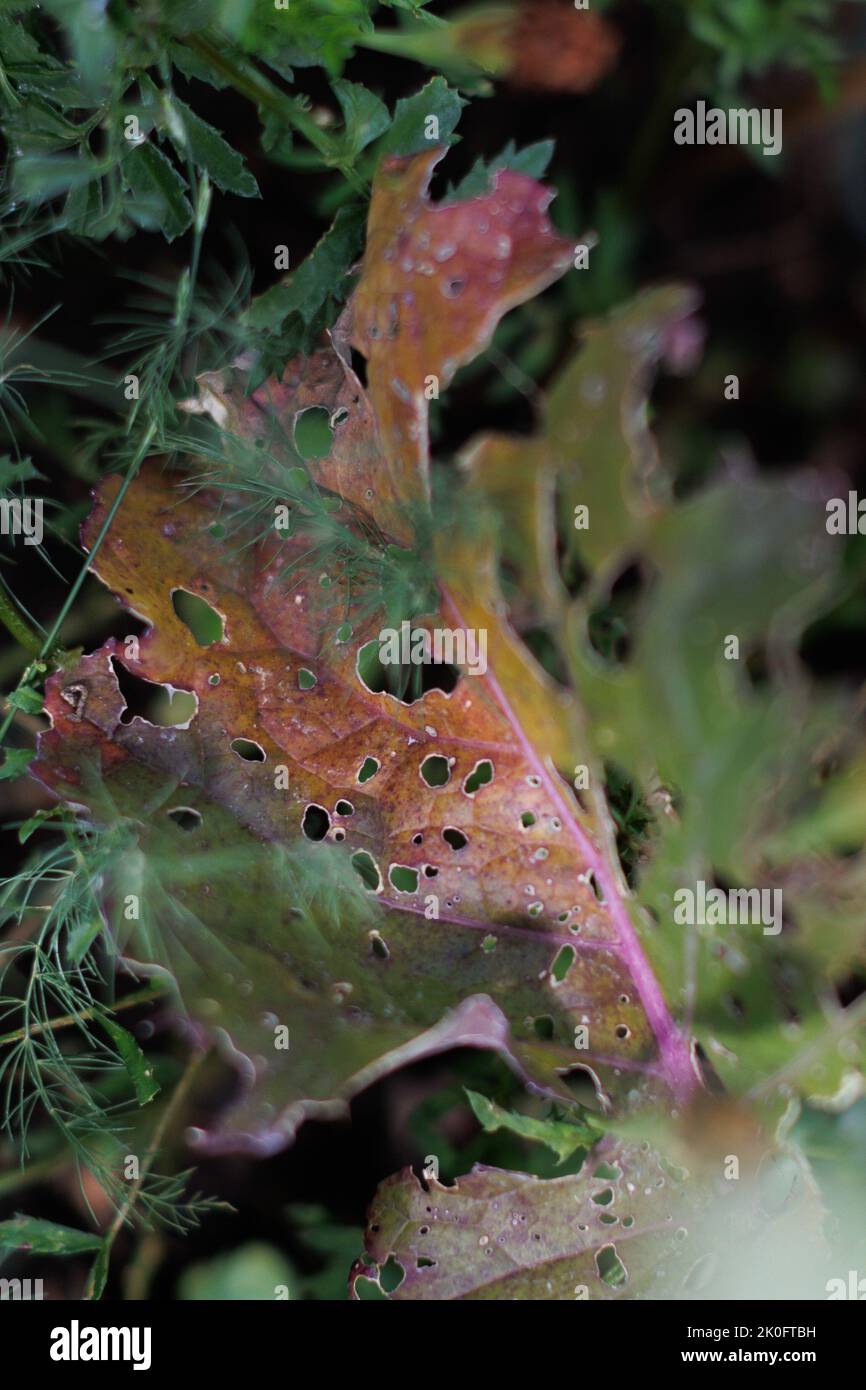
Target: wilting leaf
{"x":435,"y":280}
{"x":628,"y":1225}
{"x":493,"y":913}
{"x":729,"y":760}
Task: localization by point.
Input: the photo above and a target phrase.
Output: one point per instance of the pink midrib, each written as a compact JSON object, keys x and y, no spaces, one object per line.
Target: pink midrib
{"x":674,"y":1049}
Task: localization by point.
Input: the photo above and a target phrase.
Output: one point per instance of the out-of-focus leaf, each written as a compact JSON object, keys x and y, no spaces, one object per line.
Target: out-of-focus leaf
{"x":254,"y":1271}
{"x":726,"y":758}
{"x":45,"y":1237}
{"x":563,"y":1137}
{"x":627,"y":1226}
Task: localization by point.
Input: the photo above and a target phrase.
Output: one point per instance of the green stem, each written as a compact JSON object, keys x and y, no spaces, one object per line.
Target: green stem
{"x":179,"y":1096}
{"x":16,"y":624}
{"x":141,"y":996}
{"x":253,"y":85}
{"x":49,"y":643}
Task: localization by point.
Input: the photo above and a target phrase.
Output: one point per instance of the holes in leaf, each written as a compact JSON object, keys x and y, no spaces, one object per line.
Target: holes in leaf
{"x":418,"y":839}
{"x":249,"y":750}
{"x":344,"y":808}
{"x":603,"y":1198}
{"x":214,"y":679}
{"x":430,"y":871}
{"x":423,"y":1263}
{"x":359,"y":366}
{"x":622,"y":1032}
{"x":379,"y":946}
{"x":454,"y":837}
{"x":391,"y":1275}
{"x":611,"y":624}
{"x":404,"y":879}
{"x":313,"y":434}
{"x":316,"y":822}
{"x":584,"y":1085}
{"x":367,"y":870}
{"x":203,"y":621}
{"x":609,"y":1171}
{"x":527,"y":819}
{"x":543,"y":1027}
{"x":306,"y":679}
{"x":562,"y":963}
{"x":435,"y":770}
{"x":595,"y":886}
{"x":611,"y":1269}
{"x":369,"y":768}
{"x":480,"y":776}
{"x":160,"y":704}
{"x":185,"y":817}
{"x":406,"y":682}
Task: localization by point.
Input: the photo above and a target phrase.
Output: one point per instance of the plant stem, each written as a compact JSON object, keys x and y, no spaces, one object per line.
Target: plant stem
{"x":253,"y":85}
{"x":47,"y":646}
{"x":17,"y":625}
{"x":140,"y":996}
{"x":179,"y":1095}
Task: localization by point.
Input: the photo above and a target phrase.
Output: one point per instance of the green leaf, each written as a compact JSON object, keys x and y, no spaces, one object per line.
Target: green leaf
{"x":364,"y":116}
{"x":211,"y":152}
{"x":15,"y":763}
{"x":39,"y":178}
{"x":532,"y":160}
{"x":255,"y":1271}
{"x":158,"y":190}
{"x":37,"y":820}
{"x":407,"y":134}
{"x":562,"y":1136}
{"x":45,"y":1237}
{"x":321,"y":275}
{"x":99,"y":1270}
{"x":192,"y":65}
{"x":26,"y":699}
{"x":137,"y":1066}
